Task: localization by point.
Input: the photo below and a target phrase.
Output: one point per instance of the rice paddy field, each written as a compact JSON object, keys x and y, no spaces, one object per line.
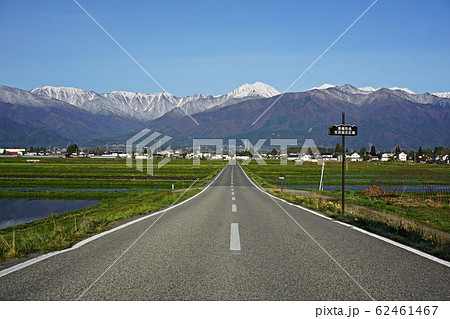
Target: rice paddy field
{"x":393,"y":176}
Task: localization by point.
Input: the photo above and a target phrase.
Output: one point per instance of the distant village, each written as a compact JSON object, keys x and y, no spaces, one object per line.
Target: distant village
{"x":440,"y":155}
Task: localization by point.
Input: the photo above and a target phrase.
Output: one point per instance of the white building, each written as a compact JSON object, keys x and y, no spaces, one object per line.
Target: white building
{"x":386,"y":157}
{"x":402,"y":157}
{"x":328,"y":157}
{"x":355,"y":157}
{"x":12,"y":151}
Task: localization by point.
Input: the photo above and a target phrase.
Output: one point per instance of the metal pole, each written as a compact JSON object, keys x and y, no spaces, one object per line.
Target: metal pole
{"x":321,"y":177}
{"x":343,"y":167}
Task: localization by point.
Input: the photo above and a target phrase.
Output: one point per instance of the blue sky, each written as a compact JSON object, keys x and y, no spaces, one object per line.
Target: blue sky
{"x":212,"y":47}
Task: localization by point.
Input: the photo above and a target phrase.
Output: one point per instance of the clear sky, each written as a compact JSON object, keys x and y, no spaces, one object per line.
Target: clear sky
{"x":212,"y":47}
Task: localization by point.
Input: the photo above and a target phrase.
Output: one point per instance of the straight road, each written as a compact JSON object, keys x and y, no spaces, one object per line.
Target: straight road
{"x":232,"y":242}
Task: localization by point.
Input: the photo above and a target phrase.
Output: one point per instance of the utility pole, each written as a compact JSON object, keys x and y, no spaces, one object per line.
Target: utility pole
{"x":343,"y":130}
{"x":343,"y":166}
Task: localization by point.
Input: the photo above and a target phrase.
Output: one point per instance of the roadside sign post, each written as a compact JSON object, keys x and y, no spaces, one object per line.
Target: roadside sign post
{"x":282,"y":180}
{"x":343,"y":130}
{"x":321,"y":177}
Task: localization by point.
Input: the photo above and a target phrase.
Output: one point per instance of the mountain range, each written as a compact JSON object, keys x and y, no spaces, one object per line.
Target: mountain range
{"x":149,"y":106}
{"x":385,"y":117}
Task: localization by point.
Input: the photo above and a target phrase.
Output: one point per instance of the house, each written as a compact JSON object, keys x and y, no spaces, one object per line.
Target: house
{"x":12,"y":151}
{"x":328,"y":157}
{"x":387,"y":156}
{"x":402,"y":156}
{"x":216,"y":157}
{"x":306,"y":158}
{"x":242,"y":156}
{"x":355,"y":157}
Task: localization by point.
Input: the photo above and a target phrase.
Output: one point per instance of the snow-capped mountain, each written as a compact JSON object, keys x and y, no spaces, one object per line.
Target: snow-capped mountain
{"x":386,"y":117}
{"x":257,"y":89}
{"x":70,"y":95}
{"x":362,"y":90}
{"x":149,"y":106}
{"x":365,"y":94}
{"x":445,"y":95}
{"x":29,"y":118}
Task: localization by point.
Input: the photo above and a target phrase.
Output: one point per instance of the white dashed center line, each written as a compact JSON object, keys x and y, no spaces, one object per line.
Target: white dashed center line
{"x":233,"y":198}
{"x":233,"y":208}
{"x":235,"y":242}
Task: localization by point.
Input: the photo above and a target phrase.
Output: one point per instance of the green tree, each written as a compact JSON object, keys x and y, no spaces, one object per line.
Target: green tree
{"x":438,"y":150}
{"x":338,"y":148}
{"x":72,"y":148}
{"x":397,"y":149}
{"x":362,"y":151}
{"x":373,"y":151}
{"x":419,"y":154}
{"x":273,"y":152}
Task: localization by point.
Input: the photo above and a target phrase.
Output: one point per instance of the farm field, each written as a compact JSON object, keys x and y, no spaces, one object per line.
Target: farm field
{"x":389,"y":175}
{"x":122,"y":193}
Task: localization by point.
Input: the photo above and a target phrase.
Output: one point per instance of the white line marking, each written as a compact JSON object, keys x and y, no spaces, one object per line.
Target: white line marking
{"x":233,"y":208}
{"x":233,"y":198}
{"x":325,"y":251}
{"x":235,"y":242}
{"x":232,"y":193}
{"x":394,"y":243}
{"x":90,"y":239}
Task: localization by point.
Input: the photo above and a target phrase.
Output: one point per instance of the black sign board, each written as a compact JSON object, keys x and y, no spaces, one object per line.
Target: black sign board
{"x":343,"y":129}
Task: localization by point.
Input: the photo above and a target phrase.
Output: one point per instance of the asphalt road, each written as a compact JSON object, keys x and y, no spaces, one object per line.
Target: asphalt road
{"x":232,"y":242}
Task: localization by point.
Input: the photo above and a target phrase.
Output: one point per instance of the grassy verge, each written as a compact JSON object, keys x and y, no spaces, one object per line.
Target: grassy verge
{"x":61,"y":231}
{"x":425,"y":210}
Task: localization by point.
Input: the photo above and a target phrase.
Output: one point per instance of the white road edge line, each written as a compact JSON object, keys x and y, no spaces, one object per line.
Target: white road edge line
{"x":389,"y":241}
{"x":133,"y":243}
{"x":30,"y":262}
{"x":235,"y":242}
{"x":326,"y":252}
